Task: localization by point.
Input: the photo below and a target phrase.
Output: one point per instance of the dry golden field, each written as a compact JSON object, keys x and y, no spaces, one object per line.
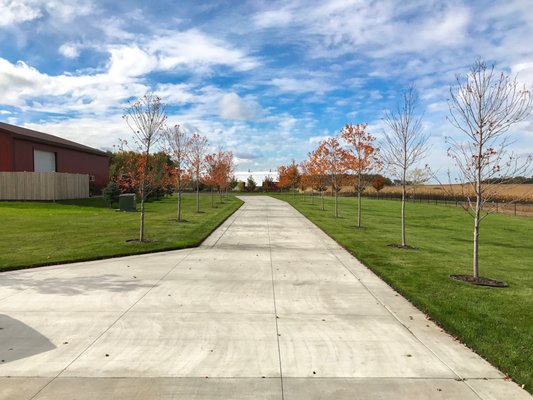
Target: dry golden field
{"x":502,"y":193}
{"x":508,"y":199}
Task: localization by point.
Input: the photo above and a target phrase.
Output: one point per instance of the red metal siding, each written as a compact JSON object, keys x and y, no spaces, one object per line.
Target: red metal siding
{"x":67,"y":160}
{"x":6,"y":152}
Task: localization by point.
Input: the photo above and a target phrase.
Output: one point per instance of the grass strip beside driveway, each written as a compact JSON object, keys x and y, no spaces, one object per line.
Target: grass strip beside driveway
{"x":44,"y":233}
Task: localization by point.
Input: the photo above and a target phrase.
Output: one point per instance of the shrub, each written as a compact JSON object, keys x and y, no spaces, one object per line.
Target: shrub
{"x":111,"y":193}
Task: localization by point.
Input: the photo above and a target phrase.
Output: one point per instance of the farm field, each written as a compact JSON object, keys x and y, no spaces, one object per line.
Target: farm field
{"x":43,"y":233}
{"x":496,"y":323}
{"x":522,"y":193}
{"x":510,"y":192}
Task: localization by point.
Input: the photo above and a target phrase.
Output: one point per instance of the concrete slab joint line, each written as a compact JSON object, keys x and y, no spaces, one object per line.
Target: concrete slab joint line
{"x":269,"y":307}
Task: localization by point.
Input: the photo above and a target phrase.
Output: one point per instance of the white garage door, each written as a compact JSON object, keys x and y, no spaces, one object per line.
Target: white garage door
{"x":44,"y":161}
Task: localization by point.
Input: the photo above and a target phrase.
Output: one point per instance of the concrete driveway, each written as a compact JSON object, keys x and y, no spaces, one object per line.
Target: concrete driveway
{"x":268,"y":307}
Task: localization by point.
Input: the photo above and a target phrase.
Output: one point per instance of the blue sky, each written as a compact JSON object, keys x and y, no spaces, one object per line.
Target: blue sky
{"x":265,"y":79}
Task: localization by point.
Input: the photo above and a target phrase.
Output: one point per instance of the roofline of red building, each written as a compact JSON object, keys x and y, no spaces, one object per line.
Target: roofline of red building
{"x":45,"y":138}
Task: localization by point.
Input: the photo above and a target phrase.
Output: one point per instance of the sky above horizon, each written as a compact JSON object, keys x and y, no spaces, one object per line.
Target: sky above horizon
{"x":265,"y":79}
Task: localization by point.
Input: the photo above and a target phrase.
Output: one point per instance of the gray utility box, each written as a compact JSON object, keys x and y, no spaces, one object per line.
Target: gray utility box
{"x":127,"y":202}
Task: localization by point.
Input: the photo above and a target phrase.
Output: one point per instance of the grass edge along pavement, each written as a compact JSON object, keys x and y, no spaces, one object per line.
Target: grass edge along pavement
{"x":37,"y":234}
{"x":494,"y":322}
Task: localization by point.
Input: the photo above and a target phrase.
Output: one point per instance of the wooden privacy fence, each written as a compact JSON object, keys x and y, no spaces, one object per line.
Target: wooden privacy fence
{"x":43,"y":186}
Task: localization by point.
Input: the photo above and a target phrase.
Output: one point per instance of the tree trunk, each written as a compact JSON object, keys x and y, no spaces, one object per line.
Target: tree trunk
{"x":197,"y":197}
{"x":179,"y":205}
{"x":403,"y":212}
{"x":212,"y":198}
{"x":322,"y":196}
{"x":358,"y":208}
{"x":475,"y":271}
{"x":336,"y":204}
{"x":143,"y":195}
{"x":141,"y":229}
{"x":477,"y":217}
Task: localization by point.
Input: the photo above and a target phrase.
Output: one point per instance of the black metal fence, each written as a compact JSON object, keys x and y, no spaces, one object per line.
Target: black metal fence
{"x":502,"y":207}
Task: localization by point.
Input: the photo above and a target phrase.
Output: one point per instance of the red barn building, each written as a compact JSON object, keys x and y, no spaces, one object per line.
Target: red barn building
{"x":24,"y":149}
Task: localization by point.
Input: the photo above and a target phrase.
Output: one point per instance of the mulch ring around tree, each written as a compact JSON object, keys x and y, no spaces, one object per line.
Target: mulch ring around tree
{"x":399,"y":246}
{"x":137,"y":241}
{"x":479,"y":281}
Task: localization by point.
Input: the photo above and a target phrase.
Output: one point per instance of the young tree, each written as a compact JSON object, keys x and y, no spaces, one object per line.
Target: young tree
{"x":333,"y":159}
{"x":227,"y":169}
{"x":197,"y":146}
{"x":176,"y":146}
{"x":289,"y":176}
{"x":305,"y":179}
{"x":361,"y":159}
{"x":250,"y":184}
{"x":283,"y":181}
{"x":268,"y":183}
{"x":317,"y":172}
{"x":416,"y":178}
{"x":483,"y":106}
{"x":127,"y":171}
{"x":211,"y":174}
{"x":405,"y":143}
{"x":379,"y":183}
{"x":146,"y":118}
{"x":233,"y":183}
{"x":111,"y":193}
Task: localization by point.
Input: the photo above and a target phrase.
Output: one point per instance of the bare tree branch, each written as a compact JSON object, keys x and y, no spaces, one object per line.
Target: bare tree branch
{"x":483,"y":106}
{"x":405,"y":142}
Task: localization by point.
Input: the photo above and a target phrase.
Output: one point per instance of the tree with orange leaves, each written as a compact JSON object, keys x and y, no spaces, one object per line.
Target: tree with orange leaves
{"x":289,"y":176}
{"x":146,"y":118}
{"x":361,"y":159}
{"x":127,"y":171}
{"x":305,"y":179}
{"x":332,"y":158}
{"x":226,"y":171}
{"x":211,"y":175}
{"x":218,"y":171}
{"x":316,"y":168}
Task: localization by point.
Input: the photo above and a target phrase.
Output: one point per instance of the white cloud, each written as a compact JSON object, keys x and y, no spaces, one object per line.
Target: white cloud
{"x":524,"y":71}
{"x":318,"y":139}
{"x":232,"y":106}
{"x":101,"y":133}
{"x":125,"y":76}
{"x":66,"y":9}
{"x":69,"y":50}
{"x":176,"y":93}
{"x":291,"y":85}
{"x":14,"y":12}
{"x":130,"y":61}
{"x":273,"y":18}
{"x":25,"y":87}
{"x":17,"y":11}
{"x":335,"y":28}
{"x":192,"y":49}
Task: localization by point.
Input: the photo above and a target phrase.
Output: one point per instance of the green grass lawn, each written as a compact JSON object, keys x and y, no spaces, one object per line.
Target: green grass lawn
{"x":496,"y":323}
{"x":41,"y":233}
